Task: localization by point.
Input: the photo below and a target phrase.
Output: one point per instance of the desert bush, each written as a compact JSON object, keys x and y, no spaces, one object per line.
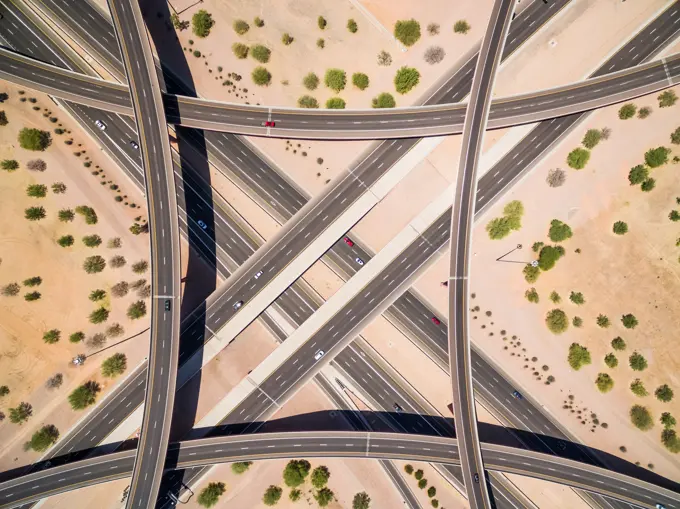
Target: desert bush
{"x":675,"y":136}
{"x":559,"y":231}
{"x":383,"y":100}
{"x":384,"y":58}
{"x":92,"y":240}
{"x":656,"y":157}
{"x":11,"y":290}
{"x":33,"y":281}
{"x":88,"y":214}
{"x":272,"y":495}
{"x":260,"y":53}
{"x":140,"y":267}
{"x":120,"y":289}
{"x":35,"y":213}
{"x":320,"y":476}
{"x":637,"y":361}
{"x":555,"y":297}
{"x":406,"y":79}
{"x":664,"y":393}
{"x":34,"y":139}
{"x":54,"y":382}
{"x":117,"y":262}
{"x":648,"y":185}
{"x":97,"y":295}
{"x":261,"y":76}
{"x":136,"y":310}
{"x":360,"y":80}
{"x":52,"y":336}
{"x":667,"y":99}
{"x":76,"y":337}
{"x":240,"y":50}
{"x":638,"y":174}
{"x":58,"y":188}
{"x":557,"y":321}
{"x":84,"y":396}
{"x":335,"y":79}
{"x":434,"y":55}
{"x":321,"y":22}
{"x":461,"y":27}
{"x":258,"y":22}
{"x":627,"y":111}
{"x":592,"y":138}
{"x":32,"y":296}
{"x":433,"y":28}
{"x":310,"y":81}
{"x":667,"y":420}
{"x":36,"y":165}
{"x":210,"y":495}
{"x":407,"y":31}
{"x":578,"y":158}
{"x":94,"y":264}
{"x":43,"y":439}
{"x":604,"y":382}
{"x":638,"y":388}
{"x":335,"y":103}
{"x":641,"y":418}
{"x":548,"y":256}
{"x":320,"y":43}
{"x":9,"y":165}
{"x":578,"y":357}
{"x":629,"y":321}
{"x":36,"y":190}
{"x":556,"y":177}
{"x":295,"y":472}
{"x":611,"y":361}
{"x":307,"y":101}
{"x":240,"y":467}
{"x":644,"y":112}
{"x":577,"y":321}
{"x":352,"y":26}
{"x":531,"y":273}
{"x":620,"y":228}
{"x":114,"y":243}
{"x":115,"y":330}
{"x":114,"y":365}
{"x":532,"y":295}
{"x":240,"y":26}
{"x":287,"y":39}
{"x":99,"y":315}
{"x":202,"y":22}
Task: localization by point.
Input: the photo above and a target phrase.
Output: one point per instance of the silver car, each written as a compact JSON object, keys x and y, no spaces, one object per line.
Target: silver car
{"x":237,"y":305}
{"x":359,"y":261}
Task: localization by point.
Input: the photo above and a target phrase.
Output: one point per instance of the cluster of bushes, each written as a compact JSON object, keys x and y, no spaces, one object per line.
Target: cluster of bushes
{"x":501,"y":227}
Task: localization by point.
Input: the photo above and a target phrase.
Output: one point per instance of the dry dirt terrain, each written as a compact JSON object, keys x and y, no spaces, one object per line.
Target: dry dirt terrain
{"x":30,"y":249}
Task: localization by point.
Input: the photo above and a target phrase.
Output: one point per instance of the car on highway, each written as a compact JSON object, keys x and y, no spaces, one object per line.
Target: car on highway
{"x":269,"y":123}
{"x":660,"y":506}
{"x":168,"y":304}
{"x":436,"y":320}
{"x":202,"y":224}
{"x":397,"y":408}
{"x":517,"y":395}
{"x":348,"y":241}
{"x":476,"y":476}
{"x":237,"y":305}
{"x":259,"y":273}
{"x":359,"y":260}
{"x":101,"y":125}
{"x":134,"y":144}
{"x":318,"y":355}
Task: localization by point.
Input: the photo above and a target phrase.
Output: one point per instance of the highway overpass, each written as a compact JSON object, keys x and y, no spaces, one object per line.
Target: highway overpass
{"x":197,"y":453}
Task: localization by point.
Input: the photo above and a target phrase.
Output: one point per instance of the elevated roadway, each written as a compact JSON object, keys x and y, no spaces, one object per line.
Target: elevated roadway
{"x":460,"y":366}
{"x":441,"y":450}
{"x":165,"y":251}
{"x":429,"y":120}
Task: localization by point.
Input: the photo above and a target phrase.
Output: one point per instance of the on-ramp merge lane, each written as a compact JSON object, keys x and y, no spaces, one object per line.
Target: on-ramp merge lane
{"x":165,"y":251}
{"x":461,"y":235}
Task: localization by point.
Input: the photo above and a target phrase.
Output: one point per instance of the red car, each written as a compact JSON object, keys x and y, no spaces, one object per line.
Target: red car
{"x":435,"y":320}
{"x":269,"y":123}
{"x":348,"y":241}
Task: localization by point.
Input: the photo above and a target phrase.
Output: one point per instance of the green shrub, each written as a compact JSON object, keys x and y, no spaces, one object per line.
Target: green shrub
{"x":667,"y":99}
{"x":35,"y":213}
{"x":577,"y":322}
{"x":638,"y":174}
{"x":3,"y":119}
{"x":498,"y":228}
{"x":422,"y":484}
{"x":94,"y":264}
{"x":335,"y":103}
{"x":667,"y":420}
{"x":592,"y":138}
{"x":88,"y":213}
{"x":261,"y":76}
{"x":618,"y":344}
{"x":461,"y":27}
{"x":352,"y":26}
{"x":4,"y":391}
{"x":383,"y":100}
{"x":20,"y":413}
{"x":407,"y":31}
{"x":136,"y":310}
{"x":648,"y":185}
{"x":240,"y":26}
{"x":240,"y":50}
{"x":559,"y":231}
{"x":321,"y":22}
{"x":548,"y":257}
{"x":32,"y":296}
{"x":603,"y":321}
{"x":532,"y":295}
{"x":36,"y":191}
{"x":9,"y":165}
{"x":675,"y":136}
{"x":431,"y":491}
{"x":310,"y":81}
{"x":604,"y":382}
{"x":555,"y":297}
{"x":324,"y":497}
{"x":627,"y":111}
{"x":34,"y":139}
{"x":669,"y":439}
{"x":644,"y":112}
{"x":629,"y":321}
{"x":287,"y":39}
{"x":361,"y":501}
{"x":84,"y":396}
{"x":99,"y":315}
{"x":258,"y":22}
{"x":240,"y":467}
{"x":674,"y":215}
{"x":52,"y":336}
{"x":664,"y":393}
{"x":66,"y":240}
{"x":320,"y":43}
{"x":531,"y":273}
{"x":578,"y":357}
{"x":197,"y":54}
{"x":638,"y":388}
{"x":211,"y":494}
{"x":656,"y":157}
{"x":406,"y":79}
{"x":419,"y":475}
{"x":641,"y":418}
{"x":92,"y":240}
{"x":620,"y":228}
{"x":97,"y":295}
{"x":557,"y":321}
{"x":58,"y":188}
{"x":43,"y":439}
{"x":360,"y":80}
{"x":408,"y":469}
{"x":576,"y":298}
{"x":611,"y":361}
{"x":578,"y":158}
{"x":295,"y":472}
{"x":33,"y":281}
{"x":114,"y":365}
{"x":260,"y":53}
{"x":76,"y":337}
{"x":335,"y":79}
{"x":272,"y":495}
{"x":637,"y":362}
{"x":320,"y":476}
{"x":295,"y":495}
{"x":307,"y":101}
{"x":201,"y":23}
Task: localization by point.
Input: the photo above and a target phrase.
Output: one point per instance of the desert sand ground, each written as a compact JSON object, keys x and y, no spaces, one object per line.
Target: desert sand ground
{"x":30,"y":249}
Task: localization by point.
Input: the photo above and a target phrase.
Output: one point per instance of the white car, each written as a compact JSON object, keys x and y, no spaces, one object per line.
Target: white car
{"x":257,"y":276}
{"x":318,"y":355}
{"x":237,"y":305}
{"x":134,"y":144}
{"x":202,"y":224}
{"x":359,"y":261}
{"x":101,"y":125}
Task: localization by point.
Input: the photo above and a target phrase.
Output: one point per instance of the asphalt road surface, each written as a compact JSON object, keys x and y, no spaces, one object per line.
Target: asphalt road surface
{"x":344,"y":124}
{"x":165,"y":251}
{"x":461,"y":225}
{"x":345,"y":445}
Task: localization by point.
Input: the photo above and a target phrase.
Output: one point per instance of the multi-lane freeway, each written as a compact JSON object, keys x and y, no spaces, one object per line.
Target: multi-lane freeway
{"x":460,"y":233}
{"x":414,"y":447}
{"x":433,"y":120}
{"x":165,"y":250}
